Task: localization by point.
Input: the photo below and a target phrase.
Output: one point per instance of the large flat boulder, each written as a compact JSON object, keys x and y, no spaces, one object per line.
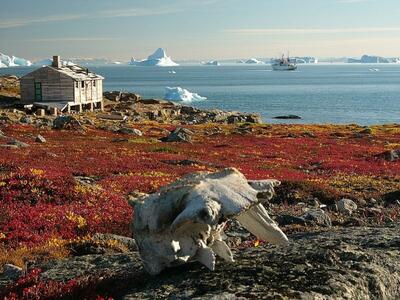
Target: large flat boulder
{"x":347,"y":263}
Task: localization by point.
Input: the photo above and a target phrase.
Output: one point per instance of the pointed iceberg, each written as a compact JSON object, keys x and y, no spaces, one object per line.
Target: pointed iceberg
{"x":159,"y":58}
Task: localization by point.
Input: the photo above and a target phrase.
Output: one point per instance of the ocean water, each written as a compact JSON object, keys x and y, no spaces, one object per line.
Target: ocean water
{"x":331,"y":93}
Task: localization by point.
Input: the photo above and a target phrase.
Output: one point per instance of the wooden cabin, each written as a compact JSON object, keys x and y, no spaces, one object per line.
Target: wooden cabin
{"x":62,"y":87}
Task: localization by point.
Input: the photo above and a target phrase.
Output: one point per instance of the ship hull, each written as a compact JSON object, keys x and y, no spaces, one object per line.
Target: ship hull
{"x":284,"y":67}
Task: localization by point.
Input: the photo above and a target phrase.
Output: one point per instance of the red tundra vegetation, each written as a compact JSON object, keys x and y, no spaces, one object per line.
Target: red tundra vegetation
{"x":78,"y":183}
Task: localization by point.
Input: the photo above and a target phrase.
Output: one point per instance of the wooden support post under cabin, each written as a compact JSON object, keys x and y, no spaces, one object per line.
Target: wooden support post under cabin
{"x":54,"y":111}
{"x":41,"y":112}
{"x":101,"y":106}
{"x":80,"y":108}
{"x":69,"y":109}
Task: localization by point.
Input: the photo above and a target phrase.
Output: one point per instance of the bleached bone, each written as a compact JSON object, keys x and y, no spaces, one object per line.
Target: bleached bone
{"x":185,"y":220}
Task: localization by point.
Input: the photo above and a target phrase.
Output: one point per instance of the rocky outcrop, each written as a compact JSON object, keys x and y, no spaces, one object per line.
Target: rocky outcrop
{"x":288,"y":117}
{"x":350,"y":263}
{"x":167,"y":111}
{"x":121,"y":96}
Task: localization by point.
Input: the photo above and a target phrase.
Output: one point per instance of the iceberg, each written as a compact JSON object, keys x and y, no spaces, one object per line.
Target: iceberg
{"x":13,"y":61}
{"x":211,"y":63}
{"x":180,"y":94}
{"x":159,"y":58}
{"x":367,"y":59}
{"x":253,"y":61}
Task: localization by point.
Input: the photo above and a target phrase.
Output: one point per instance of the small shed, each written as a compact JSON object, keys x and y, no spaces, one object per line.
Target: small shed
{"x":62,"y":87}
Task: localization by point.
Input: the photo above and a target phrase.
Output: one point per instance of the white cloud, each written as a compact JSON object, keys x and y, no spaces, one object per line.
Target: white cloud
{"x":73,"y":39}
{"x":288,"y":31}
{"x":129,"y":12}
{"x":126,"y":12}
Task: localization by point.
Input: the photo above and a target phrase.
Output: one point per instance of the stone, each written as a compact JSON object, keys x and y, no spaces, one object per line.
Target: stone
{"x":318,"y":216}
{"x":113,"y":117}
{"x":288,"y":117}
{"x":9,"y":274}
{"x":391,"y":198}
{"x":67,"y":122}
{"x":26,"y":120}
{"x":120,"y":140}
{"x":346,"y":206}
{"x":345,"y":263}
{"x":126,"y":241}
{"x":284,"y":220}
{"x":184,"y":222}
{"x":180,"y":134}
{"x":131,"y":131}
{"x":391,"y":155}
{"x":18,"y":144}
{"x":366,"y":130}
{"x":40,"y":139}
{"x":127,"y":97}
{"x":112,"y":96}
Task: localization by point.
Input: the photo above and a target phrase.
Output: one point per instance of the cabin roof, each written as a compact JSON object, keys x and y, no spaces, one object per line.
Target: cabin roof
{"x":77,"y":72}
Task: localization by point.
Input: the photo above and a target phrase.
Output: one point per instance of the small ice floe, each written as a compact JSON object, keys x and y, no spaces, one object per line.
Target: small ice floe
{"x":374,"y":70}
{"x":181,"y":94}
{"x":172,"y":72}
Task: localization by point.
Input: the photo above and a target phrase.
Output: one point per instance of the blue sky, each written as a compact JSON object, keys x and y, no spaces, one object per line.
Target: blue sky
{"x":199,"y":29}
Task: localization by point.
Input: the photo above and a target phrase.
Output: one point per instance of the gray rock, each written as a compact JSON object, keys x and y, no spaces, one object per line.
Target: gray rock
{"x":40,"y":139}
{"x":10,"y":273}
{"x":26,"y":120}
{"x":180,"y":134}
{"x":346,"y":206}
{"x":128,"y":242}
{"x":66,"y":122}
{"x":284,"y":220}
{"x":318,"y":216}
{"x":349,"y":263}
{"x":18,"y":144}
{"x":391,"y":198}
{"x":391,"y":155}
{"x":131,"y":131}
{"x":288,"y":117}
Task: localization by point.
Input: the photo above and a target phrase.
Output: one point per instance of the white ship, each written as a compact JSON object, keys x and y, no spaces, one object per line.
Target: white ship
{"x":283,"y":64}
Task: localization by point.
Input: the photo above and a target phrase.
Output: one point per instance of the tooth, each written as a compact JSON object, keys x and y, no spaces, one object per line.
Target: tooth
{"x":257,"y":221}
{"x":206,"y":256}
{"x":222,"y":250}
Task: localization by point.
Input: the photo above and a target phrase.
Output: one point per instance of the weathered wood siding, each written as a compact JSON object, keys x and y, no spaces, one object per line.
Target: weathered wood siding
{"x":55,"y":86}
{"x":90,"y":92}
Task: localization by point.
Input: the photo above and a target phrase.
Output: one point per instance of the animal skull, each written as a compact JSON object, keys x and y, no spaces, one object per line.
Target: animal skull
{"x":185,"y":220}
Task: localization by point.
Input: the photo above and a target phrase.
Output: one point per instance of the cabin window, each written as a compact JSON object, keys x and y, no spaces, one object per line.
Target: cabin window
{"x":94,"y":82}
{"x":83,"y":84}
{"x":77,"y":84}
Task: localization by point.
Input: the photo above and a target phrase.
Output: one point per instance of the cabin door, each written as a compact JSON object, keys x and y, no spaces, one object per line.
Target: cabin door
{"x":38,"y":91}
